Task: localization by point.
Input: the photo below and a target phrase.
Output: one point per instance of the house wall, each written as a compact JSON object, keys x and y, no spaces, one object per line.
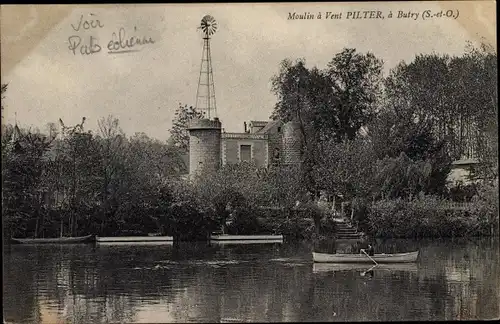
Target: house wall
{"x":275,"y":135}
{"x":461,"y":171}
{"x":459,"y":174}
{"x":292,"y":143}
{"x":230,"y":147}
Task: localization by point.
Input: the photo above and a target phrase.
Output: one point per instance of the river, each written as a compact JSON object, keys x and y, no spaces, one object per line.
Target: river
{"x":194,"y":282}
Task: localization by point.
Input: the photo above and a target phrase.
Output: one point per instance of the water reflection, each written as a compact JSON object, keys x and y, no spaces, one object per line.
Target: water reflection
{"x":231,"y":283}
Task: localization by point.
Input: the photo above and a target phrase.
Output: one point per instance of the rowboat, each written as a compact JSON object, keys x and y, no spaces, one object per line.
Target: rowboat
{"x":226,"y":237}
{"x":135,"y":240}
{"x":239,"y":242}
{"x":56,"y":240}
{"x":363,"y":258}
{"x":333,"y":267}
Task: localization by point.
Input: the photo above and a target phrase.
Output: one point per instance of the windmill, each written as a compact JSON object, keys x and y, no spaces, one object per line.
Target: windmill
{"x":205,"y":95}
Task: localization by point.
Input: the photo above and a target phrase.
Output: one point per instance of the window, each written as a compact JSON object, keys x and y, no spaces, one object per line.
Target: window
{"x":276,"y":154}
{"x":279,"y":129}
{"x":245,"y":153}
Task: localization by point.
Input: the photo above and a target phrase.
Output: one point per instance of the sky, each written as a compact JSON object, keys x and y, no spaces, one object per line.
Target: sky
{"x":47,"y":81}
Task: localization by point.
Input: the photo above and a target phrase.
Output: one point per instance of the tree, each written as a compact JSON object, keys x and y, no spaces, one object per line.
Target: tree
{"x":152,"y":167}
{"x":336,"y":101}
{"x":455,"y":96}
{"x":3,"y":90}
{"x":282,"y":187}
{"x":400,"y":177}
{"x":112,"y":144}
{"x":482,"y":88}
{"x":153,"y":160}
{"x":52,"y":130}
{"x":439,"y":108}
{"x":420,"y":89}
{"x":402,"y":141}
{"x":328,"y":104}
{"x":75,"y":176}
{"x":179,"y":135}
{"x":347,"y":168}
{"x":22,"y":188}
{"x":357,"y":82}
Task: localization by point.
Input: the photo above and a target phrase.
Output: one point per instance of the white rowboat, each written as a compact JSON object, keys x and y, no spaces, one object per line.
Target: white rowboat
{"x":134,"y":239}
{"x":246,"y":237}
{"x":363,"y":258}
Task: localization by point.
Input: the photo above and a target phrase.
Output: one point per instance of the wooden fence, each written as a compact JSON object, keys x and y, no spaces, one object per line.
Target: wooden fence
{"x":456,"y":205}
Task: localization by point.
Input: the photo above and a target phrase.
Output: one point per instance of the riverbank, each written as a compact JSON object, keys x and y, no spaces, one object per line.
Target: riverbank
{"x":429,"y":217}
{"x":426,"y":216}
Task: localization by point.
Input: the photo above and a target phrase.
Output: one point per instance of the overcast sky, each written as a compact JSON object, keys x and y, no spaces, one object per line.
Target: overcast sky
{"x":143,"y":89}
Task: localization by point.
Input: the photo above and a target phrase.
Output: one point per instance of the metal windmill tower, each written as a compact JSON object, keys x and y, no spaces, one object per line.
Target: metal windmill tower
{"x":205,"y":95}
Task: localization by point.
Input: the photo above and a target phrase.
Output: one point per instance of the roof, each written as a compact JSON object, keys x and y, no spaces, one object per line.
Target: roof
{"x":258,"y":123}
{"x":465,"y":162}
{"x":253,"y":136}
{"x":269,"y":126}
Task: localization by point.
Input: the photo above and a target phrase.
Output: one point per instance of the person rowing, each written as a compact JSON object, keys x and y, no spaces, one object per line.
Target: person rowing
{"x":370,"y":250}
{"x":369,"y":253}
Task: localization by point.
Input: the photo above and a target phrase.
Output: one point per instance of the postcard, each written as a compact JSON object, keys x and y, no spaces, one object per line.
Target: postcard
{"x":200,"y":162}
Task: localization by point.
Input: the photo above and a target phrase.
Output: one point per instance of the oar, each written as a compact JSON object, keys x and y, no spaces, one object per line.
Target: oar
{"x":369,"y":257}
{"x":365,"y":272}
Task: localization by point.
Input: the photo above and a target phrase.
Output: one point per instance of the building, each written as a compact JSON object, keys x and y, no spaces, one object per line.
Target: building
{"x":260,"y":142}
{"x":264,"y":143}
{"x":204,"y":145}
{"x":461,"y":172}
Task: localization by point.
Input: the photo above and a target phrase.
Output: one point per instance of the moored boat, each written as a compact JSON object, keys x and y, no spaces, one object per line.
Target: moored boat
{"x":135,"y":239}
{"x":226,"y":237}
{"x":363,"y":258}
{"x":229,"y":242}
{"x":55,"y":240}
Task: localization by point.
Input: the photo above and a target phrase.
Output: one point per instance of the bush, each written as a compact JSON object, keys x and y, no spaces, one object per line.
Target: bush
{"x":361,"y":210}
{"x":295,"y":223}
{"x":428,"y":216}
{"x":190,"y":223}
{"x":487,"y":207}
{"x":463,"y":192}
{"x":328,"y":227}
{"x":244,"y":222}
{"x":297,"y":228}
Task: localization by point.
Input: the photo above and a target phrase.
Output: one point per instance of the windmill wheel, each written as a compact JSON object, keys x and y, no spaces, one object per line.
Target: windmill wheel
{"x":208,"y":25}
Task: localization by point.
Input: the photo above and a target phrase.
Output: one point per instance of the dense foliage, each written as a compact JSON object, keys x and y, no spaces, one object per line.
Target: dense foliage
{"x":404,"y":131}
{"x":385,"y":145}
{"x":431,"y":217}
{"x":104,"y":184}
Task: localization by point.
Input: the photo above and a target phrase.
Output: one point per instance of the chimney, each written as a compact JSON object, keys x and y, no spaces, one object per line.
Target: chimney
{"x":245,"y":125}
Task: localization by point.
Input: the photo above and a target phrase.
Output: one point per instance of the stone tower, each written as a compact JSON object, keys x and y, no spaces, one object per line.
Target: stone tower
{"x":204,"y":145}
{"x":292,"y":143}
